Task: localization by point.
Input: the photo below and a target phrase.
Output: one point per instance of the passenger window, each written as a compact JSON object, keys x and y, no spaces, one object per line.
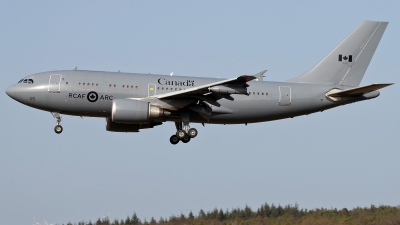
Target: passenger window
{"x":30,"y":81}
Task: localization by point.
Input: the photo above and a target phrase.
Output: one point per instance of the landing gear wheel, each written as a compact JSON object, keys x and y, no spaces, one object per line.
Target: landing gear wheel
{"x":58,"y":129}
{"x":192,"y":132}
{"x":186,"y":139}
{"x":174,"y":140}
{"x":181,"y":134}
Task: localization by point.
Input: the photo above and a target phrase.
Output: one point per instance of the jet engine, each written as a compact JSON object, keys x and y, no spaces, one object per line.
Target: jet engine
{"x":132,"y":111}
{"x":123,"y":127}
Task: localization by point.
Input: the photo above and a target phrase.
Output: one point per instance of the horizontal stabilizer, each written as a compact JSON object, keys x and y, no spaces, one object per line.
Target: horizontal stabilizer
{"x":357,"y":91}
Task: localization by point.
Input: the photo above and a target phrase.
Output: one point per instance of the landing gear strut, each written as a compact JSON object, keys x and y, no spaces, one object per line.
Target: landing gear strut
{"x":58,"y":128}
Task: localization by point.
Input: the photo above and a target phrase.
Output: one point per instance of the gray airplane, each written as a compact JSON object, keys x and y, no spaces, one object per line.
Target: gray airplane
{"x":131,"y":101}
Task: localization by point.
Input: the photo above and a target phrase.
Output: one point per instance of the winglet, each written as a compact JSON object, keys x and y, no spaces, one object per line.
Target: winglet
{"x":260,"y":76}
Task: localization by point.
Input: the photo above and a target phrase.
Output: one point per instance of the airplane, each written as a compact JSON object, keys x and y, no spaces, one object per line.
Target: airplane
{"x":130,"y":102}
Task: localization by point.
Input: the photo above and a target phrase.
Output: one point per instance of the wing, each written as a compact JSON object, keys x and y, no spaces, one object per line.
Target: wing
{"x":229,"y":86}
{"x":196,"y":99}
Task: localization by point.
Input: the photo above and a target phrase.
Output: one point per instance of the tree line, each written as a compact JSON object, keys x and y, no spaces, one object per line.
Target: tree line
{"x":269,"y":215}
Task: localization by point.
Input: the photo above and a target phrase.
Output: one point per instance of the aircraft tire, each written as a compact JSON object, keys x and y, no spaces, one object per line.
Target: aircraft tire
{"x":181,"y":134}
{"x":186,"y":139}
{"x":58,"y":129}
{"x":174,"y":140}
{"x":192,"y":132}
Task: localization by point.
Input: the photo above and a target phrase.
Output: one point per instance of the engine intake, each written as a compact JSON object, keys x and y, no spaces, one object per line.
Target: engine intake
{"x":135,"y":111}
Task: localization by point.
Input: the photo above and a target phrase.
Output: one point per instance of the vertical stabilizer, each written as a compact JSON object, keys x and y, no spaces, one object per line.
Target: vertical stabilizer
{"x":347,"y":62}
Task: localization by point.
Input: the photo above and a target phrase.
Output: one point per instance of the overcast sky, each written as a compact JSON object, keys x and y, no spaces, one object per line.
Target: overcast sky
{"x":344,"y":157}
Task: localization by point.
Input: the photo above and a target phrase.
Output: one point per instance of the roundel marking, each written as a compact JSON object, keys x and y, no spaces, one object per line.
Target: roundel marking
{"x":92,"y":96}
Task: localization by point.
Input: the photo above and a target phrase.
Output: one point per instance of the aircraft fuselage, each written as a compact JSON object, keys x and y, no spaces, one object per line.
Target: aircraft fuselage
{"x":90,"y":93}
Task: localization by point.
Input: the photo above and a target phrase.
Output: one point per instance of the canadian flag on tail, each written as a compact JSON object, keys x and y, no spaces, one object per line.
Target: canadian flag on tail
{"x":345,"y":58}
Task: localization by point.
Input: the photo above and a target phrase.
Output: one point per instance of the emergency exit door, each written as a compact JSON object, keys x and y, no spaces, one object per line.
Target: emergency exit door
{"x":152,"y":89}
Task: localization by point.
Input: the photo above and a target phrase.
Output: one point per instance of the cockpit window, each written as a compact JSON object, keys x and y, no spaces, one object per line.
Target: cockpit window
{"x":25,"y":81}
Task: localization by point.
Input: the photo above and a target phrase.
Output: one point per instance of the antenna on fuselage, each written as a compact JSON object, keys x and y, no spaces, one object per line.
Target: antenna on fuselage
{"x":172,"y":74}
{"x":76,"y":68}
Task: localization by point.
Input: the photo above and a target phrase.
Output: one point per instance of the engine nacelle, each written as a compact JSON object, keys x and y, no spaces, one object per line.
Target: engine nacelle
{"x":229,"y":89}
{"x":135,"y":111}
{"x":123,"y":127}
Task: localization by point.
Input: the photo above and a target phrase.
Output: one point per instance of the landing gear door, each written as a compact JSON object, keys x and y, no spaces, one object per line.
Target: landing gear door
{"x":152,"y":89}
{"x":54,"y":83}
{"x":285,"y":96}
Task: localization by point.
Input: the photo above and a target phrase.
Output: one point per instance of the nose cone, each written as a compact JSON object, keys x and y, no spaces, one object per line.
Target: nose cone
{"x":11,"y":91}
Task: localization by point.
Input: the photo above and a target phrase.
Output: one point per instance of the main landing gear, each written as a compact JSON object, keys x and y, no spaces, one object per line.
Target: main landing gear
{"x":183,"y":133}
{"x":58,"y":128}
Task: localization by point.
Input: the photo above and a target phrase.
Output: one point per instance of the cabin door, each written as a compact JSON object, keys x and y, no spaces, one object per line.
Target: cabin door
{"x":285,"y":96}
{"x":54,"y":83}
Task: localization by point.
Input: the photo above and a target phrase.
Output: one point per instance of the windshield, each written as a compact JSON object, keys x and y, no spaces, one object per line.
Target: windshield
{"x":29,"y":81}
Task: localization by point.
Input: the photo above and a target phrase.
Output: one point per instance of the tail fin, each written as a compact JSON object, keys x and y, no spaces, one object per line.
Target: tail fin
{"x":348,"y":61}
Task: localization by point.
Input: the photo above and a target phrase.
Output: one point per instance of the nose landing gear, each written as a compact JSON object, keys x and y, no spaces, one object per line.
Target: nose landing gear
{"x":183,"y":133}
{"x":58,"y":128}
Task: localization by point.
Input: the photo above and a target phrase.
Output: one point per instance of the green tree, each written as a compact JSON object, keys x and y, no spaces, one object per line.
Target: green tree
{"x":190,"y":216}
{"x":221,"y":215}
{"x":202,"y":215}
{"x":135,"y":220}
